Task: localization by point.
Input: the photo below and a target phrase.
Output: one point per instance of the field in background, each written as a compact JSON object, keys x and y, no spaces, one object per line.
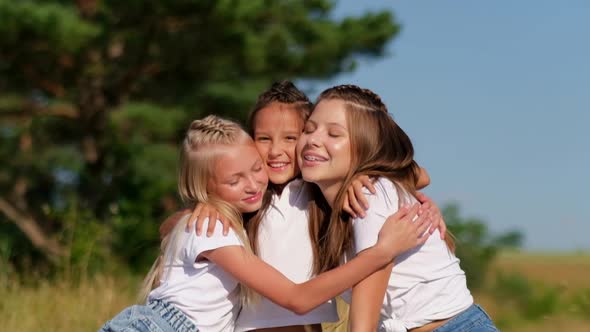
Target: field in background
{"x":62,"y":306}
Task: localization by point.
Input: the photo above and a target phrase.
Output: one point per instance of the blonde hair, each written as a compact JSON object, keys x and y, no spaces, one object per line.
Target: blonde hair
{"x":198,"y":153}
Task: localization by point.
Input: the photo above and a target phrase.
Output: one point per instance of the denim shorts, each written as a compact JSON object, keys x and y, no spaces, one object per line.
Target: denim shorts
{"x":474,"y":319}
{"x":156,"y":316}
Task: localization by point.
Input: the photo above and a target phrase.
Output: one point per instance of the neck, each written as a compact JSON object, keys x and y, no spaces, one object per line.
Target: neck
{"x":330,"y":191}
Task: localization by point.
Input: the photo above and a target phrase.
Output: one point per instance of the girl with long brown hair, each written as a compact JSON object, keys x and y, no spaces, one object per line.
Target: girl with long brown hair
{"x":350,"y":133}
{"x":195,"y":283}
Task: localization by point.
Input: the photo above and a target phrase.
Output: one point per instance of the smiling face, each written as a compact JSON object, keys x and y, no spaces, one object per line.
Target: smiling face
{"x":239,"y":177}
{"x":277,"y":127}
{"x":323,"y":150}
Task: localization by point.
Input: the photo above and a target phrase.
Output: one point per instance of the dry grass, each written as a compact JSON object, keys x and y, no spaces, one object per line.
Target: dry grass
{"x":570,"y":271}
{"x":63,"y":306}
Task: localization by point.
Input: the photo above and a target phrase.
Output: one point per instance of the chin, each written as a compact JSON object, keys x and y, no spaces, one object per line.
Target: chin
{"x":251,"y":208}
{"x":310,"y":176}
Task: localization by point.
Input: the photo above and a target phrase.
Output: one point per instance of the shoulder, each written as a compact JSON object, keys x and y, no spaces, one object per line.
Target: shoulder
{"x":386,"y":195}
{"x":195,"y":244}
{"x":296,"y":194}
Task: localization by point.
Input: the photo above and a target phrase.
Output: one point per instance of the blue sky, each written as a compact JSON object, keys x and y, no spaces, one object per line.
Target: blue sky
{"x":496,"y":98}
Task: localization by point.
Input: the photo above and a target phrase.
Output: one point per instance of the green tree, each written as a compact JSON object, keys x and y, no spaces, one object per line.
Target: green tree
{"x":476,"y":247}
{"x":95,"y":95}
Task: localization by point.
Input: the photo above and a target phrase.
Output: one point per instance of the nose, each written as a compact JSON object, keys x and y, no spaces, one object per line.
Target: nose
{"x":312,"y":139}
{"x":275,"y":150}
{"x":251,"y":184}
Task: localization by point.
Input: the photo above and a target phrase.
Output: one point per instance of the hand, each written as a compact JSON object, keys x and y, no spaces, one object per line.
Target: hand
{"x":355,"y":202}
{"x":203,"y":212}
{"x":401,"y":232}
{"x":437,"y":220}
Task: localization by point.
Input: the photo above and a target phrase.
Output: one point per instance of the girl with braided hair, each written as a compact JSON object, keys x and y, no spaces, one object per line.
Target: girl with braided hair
{"x":280,"y":233}
{"x":194,"y":284}
{"x":349,"y":133}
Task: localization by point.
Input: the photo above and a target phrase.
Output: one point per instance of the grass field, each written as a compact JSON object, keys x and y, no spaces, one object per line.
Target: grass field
{"x":62,"y":306}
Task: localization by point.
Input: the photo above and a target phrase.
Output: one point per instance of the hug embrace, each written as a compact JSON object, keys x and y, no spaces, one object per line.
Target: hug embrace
{"x":319,"y":200}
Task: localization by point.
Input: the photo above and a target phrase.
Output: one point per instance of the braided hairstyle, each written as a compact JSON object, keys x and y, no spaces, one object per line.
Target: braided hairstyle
{"x":379,"y":148}
{"x":283,"y":92}
{"x":198,"y":152}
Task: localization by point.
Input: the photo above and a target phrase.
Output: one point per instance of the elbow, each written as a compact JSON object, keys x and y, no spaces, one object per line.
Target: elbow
{"x":298,"y":306}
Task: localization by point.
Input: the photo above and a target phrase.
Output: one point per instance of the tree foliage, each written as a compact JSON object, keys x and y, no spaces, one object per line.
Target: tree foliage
{"x":94,"y":97}
{"x":476,"y":246}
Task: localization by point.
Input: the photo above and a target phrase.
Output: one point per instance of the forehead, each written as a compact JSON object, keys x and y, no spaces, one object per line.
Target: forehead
{"x":330,"y":111}
{"x":233,"y":159}
{"x":278,"y":116}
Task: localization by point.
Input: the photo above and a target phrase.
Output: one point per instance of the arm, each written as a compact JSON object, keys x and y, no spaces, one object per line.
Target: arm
{"x":355,"y":202}
{"x":397,"y":235}
{"x":299,"y":298}
{"x":204,"y":212}
{"x":423,"y":179}
{"x":368,"y":295}
{"x":367,"y":299}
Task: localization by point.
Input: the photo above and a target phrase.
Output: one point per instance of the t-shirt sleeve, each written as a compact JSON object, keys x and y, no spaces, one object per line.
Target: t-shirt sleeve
{"x":197,"y":244}
{"x":382,"y":204}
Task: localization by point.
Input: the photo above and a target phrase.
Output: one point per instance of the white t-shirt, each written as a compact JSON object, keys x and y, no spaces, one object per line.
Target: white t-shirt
{"x":284,"y":243}
{"x":202,"y":290}
{"x":426,"y":282}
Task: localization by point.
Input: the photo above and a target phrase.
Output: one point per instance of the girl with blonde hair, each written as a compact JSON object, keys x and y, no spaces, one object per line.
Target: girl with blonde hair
{"x":280,"y":233}
{"x":350,"y":133}
{"x":194,"y":284}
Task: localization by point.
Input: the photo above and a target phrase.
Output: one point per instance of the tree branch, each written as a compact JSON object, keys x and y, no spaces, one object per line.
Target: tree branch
{"x":28,"y":110}
{"x":49,"y":247}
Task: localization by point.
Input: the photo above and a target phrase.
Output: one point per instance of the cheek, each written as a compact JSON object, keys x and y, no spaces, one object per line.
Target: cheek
{"x":291,"y":150}
{"x":262,"y":178}
{"x":228,"y":193}
{"x":342,"y":151}
{"x":262,"y":148}
{"x":299,"y":146}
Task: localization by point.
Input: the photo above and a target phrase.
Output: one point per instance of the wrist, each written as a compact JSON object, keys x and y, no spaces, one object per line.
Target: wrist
{"x":383,"y":254}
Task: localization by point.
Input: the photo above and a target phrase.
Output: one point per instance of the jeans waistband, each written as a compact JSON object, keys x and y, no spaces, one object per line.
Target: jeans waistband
{"x":176,"y":318}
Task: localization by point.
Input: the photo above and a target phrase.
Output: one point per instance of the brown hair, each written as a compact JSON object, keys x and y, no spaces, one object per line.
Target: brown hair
{"x":283,"y":92}
{"x":369,"y":126}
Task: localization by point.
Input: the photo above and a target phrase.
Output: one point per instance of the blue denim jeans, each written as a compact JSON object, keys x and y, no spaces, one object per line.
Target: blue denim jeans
{"x":156,"y":316}
{"x":474,"y":319}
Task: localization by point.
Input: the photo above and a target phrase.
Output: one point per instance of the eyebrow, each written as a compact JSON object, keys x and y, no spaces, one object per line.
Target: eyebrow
{"x":329,"y":124}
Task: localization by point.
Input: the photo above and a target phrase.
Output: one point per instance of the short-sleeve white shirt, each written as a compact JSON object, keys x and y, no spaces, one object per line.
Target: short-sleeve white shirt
{"x":202,"y":290}
{"x":426,"y":282}
{"x":284,"y":243}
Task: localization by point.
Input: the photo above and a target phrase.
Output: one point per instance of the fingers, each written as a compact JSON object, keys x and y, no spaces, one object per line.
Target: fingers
{"x":367,"y":182}
{"x":194,"y":218}
{"x":346,"y":207}
{"x":359,"y":195}
{"x":442,"y":228}
{"x":421,"y":240}
{"x":212,"y":222}
{"x":226,"y":224}
{"x":412,"y":212}
{"x":422,"y":223}
{"x":372,"y":181}
{"x":354,"y":203}
{"x":422,"y":198}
